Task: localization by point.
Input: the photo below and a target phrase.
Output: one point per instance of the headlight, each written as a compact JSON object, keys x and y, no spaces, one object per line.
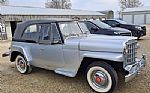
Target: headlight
{"x":117,"y":33}
{"x":138,"y":27}
{"x":125,"y":50}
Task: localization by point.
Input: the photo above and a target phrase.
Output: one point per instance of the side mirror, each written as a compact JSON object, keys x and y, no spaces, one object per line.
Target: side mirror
{"x":94,"y":28}
{"x":115,"y":25}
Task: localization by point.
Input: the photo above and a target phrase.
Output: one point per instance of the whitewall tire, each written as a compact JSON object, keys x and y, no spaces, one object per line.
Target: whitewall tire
{"x":21,"y":65}
{"x":101,"y":77}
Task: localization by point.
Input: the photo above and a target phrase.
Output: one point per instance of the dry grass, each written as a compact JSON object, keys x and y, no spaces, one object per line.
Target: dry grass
{"x":43,"y":81}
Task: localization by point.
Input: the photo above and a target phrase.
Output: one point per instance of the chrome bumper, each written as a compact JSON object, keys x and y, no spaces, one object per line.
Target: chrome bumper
{"x":135,"y":69}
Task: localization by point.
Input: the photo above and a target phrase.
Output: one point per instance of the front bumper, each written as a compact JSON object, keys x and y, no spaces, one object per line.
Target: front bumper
{"x":135,"y":69}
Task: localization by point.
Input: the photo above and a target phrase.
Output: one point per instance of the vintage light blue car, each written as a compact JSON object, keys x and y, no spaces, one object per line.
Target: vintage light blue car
{"x":66,"y":46}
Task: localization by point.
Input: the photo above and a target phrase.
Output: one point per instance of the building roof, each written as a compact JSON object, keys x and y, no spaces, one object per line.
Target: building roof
{"x":138,"y":9}
{"x":105,"y":11}
{"x":20,"y":10}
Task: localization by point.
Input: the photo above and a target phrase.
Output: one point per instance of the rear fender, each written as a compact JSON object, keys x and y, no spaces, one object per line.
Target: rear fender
{"x":25,"y":51}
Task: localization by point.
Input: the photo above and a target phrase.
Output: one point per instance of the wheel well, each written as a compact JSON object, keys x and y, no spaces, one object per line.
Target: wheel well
{"x":118,"y":66}
{"x":14,"y":54}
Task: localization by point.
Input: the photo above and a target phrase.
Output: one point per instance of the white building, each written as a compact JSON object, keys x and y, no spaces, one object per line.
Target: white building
{"x":139,"y":15}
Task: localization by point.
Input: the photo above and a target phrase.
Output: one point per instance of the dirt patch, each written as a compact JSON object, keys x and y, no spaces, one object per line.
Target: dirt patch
{"x":43,"y":81}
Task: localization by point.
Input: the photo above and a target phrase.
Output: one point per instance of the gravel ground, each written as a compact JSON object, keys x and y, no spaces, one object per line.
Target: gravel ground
{"x":43,"y":81}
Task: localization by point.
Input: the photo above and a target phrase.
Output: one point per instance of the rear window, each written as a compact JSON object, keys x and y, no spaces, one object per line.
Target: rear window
{"x":30,"y":33}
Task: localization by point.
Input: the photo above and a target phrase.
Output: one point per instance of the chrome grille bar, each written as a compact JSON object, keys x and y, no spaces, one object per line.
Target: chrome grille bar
{"x":130,"y":54}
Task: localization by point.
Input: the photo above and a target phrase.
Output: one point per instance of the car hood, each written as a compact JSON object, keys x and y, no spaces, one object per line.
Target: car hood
{"x":133,"y":25}
{"x":103,"y":43}
{"x":118,"y":29}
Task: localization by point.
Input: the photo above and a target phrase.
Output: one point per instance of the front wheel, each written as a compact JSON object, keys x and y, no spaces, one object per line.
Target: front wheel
{"x":102,"y":77}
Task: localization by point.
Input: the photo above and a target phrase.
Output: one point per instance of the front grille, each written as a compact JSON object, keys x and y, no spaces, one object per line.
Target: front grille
{"x":130,"y":52}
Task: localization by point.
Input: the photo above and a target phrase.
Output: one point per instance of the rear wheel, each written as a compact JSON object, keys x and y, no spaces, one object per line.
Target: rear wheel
{"x":22,"y":66}
{"x":102,"y":77}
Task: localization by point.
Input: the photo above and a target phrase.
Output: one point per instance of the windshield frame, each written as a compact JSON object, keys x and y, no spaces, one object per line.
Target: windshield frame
{"x":71,"y":30}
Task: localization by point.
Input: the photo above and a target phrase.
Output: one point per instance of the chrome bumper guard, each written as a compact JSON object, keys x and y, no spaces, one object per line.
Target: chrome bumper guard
{"x":135,"y":69}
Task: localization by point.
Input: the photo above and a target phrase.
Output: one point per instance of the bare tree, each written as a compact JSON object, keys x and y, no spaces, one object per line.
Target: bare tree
{"x":130,"y":3}
{"x":59,"y":4}
{"x":3,"y":2}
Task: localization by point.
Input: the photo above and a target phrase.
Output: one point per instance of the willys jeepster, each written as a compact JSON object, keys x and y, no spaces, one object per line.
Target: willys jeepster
{"x":66,"y":46}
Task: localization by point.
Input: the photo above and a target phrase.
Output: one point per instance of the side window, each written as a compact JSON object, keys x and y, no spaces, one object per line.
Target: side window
{"x":45,"y":33}
{"x":31,"y":33}
{"x":90,"y":25}
{"x":55,"y":34}
{"x":111,"y":23}
{"x":49,"y":34}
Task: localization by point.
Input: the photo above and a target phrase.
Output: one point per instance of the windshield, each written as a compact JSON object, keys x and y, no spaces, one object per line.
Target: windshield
{"x":101,"y":24}
{"x":69,"y":29}
{"x":121,"y":21}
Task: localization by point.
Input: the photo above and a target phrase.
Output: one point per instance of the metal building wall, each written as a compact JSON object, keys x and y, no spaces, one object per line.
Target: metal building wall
{"x":128,"y":18}
{"x":147,"y":18}
{"x":139,"y":18}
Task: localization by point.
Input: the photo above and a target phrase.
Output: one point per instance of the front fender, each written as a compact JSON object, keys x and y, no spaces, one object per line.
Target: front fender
{"x":23,"y":50}
{"x":104,"y":55}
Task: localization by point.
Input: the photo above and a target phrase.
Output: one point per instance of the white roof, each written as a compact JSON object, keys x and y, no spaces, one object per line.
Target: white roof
{"x":138,"y":9}
{"x":19,"y":10}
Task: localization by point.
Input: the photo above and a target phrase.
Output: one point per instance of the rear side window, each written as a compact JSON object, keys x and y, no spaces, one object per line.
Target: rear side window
{"x":111,"y":23}
{"x":31,"y":33}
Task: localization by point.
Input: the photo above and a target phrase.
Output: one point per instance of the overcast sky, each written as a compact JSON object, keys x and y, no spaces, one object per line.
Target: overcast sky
{"x":78,"y":4}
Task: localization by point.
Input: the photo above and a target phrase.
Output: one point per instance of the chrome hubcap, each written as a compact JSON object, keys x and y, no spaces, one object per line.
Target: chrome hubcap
{"x":21,"y":64}
{"x":99,"y":79}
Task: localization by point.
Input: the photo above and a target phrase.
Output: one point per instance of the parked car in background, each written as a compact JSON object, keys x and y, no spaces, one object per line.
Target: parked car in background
{"x":62,"y":46}
{"x":98,"y":27}
{"x":137,"y":30}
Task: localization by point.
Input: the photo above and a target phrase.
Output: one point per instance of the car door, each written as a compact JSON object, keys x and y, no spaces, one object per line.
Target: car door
{"x":50,"y":45}
{"x":30,"y":37}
